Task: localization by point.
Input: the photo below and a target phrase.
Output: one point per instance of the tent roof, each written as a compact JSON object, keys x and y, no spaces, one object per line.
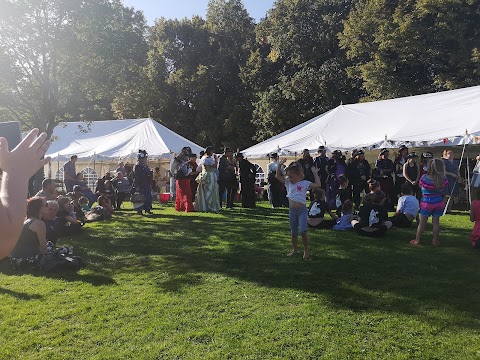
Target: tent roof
{"x":441,"y":118}
{"x":116,"y":139}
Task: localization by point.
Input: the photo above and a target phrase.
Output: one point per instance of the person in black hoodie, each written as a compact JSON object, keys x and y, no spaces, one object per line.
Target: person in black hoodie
{"x":358,"y":172}
{"x":306,"y":162}
{"x":373,"y":216}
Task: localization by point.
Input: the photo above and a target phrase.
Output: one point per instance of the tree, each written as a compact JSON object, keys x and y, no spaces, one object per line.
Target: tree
{"x":194,"y":70}
{"x":407,"y":47}
{"x":301,"y":67}
{"x":64,"y":59}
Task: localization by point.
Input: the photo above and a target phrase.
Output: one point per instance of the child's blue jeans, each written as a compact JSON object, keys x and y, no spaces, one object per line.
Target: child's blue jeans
{"x":298,"y":219}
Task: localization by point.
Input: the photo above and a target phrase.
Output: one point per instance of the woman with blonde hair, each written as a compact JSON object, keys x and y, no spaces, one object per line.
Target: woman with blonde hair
{"x":433,"y":185}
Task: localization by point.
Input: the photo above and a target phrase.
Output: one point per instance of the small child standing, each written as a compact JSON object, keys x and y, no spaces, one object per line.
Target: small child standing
{"x":475,"y":217}
{"x":345,"y":221}
{"x":317,"y":210}
{"x":297,"y":189}
{"x":433,"y":185}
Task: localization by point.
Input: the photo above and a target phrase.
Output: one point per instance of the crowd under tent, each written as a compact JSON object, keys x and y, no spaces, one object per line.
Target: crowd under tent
{"x":447,"y":118}
{"x":100,"y":145}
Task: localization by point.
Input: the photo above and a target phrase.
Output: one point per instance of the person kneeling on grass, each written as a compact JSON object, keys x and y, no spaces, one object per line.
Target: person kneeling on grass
{"x":297,"y":189}
{"x":373,"y":216}
{"x":407,"y":208}
{"x":345,"y":221}
{"x":317,"y":210}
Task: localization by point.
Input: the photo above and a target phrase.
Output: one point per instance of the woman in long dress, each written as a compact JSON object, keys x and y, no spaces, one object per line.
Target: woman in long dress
{"x":207,"y":198}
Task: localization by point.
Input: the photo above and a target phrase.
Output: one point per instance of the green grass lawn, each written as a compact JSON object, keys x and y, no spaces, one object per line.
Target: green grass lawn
{"x":219,"y":286}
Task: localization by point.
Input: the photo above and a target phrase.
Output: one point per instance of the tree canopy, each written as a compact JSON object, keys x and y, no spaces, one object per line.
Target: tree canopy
{"x":224,"y":79}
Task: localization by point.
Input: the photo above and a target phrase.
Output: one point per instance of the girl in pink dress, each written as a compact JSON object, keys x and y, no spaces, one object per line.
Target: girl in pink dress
{"x":475,"y":217}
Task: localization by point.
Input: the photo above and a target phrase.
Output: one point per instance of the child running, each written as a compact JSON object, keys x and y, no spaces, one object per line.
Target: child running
{"x":433,"y":185}
{"x":297,"y":189}
{"x":475,"y":217}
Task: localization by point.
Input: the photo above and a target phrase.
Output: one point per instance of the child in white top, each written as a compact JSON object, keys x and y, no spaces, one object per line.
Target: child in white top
{"x":297,"y":189}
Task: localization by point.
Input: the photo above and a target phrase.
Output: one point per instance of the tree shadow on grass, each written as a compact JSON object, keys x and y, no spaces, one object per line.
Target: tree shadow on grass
{"x":90,"y":276}
{"x":20,"y":295}
{"x":350,"y":272}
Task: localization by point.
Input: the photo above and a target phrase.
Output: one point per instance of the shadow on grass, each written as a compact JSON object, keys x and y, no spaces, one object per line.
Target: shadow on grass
{"x":20,"y":295}
{"x":350,"y":272}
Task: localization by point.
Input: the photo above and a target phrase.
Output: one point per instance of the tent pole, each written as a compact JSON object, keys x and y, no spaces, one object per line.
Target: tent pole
{"x":469,"y":189}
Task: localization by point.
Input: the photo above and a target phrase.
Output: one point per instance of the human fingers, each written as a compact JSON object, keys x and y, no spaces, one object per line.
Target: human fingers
{"x":38,"y":142}
{"x":43,"y":149}
{"x":28,"y":140}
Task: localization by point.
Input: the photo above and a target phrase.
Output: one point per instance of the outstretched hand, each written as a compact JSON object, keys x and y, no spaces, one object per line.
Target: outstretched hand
{"x":314,"y":169}
{"x":26,"y":158}
{"x":283,"y":161}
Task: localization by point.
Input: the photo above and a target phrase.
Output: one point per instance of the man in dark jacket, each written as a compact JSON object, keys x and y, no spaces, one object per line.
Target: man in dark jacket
{"x":358,"y":172}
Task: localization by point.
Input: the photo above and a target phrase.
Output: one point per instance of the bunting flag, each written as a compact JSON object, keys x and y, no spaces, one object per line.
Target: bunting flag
{"x":445,"y":140}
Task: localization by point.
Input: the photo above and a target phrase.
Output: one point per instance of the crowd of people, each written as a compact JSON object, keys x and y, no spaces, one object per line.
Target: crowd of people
{"x":357,"y":196}
{"x":351,"y":192}
{"x":205,"y":186}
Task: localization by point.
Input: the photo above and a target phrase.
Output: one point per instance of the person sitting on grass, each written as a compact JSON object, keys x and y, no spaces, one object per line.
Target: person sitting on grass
{"x":32,"y":243}
{"x":345,"y":221}
{"x":83,"y":203}
{"x":297,"y":189}
{"x":100,"y":212}
{"x":433,"y":185}
{"x":373,"y":185}
{"x":48,"y":189}
{"x":123,"y":189}
{"x":51,"y":222}
{"x":317,"y":210}
{"x":106,"y":204}
{"x":373,"y":216}
{"x":80,"y":181}
{"x":67,"y":218}
{"x":475,"y":217}
{"x":407,"y":208}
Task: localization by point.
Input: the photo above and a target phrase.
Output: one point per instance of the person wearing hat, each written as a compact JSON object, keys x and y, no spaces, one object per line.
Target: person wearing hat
{"x":306,"y":162}
{"x":207,"y":192}
{"x":399,"y":162}
{"x":248,"y":174}
{"x":424,"y":159}
{"x":385,"y":169}
{"x":227,"y":179}
{"x":411,"y":173}
{"x":336,"y":168}
{"x":321,"y":163}
{"x":277,"y":194}
{"x":183,"y":196}
{"x":358,"y":172}
{"x":142,"y":183}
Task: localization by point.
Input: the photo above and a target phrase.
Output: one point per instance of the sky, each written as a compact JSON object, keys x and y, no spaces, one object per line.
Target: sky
{"x":172,"y":9}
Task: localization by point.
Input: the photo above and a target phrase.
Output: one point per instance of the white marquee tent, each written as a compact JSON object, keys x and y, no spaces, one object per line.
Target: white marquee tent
{"x":116,"y":139}
{"x":439,"y":119}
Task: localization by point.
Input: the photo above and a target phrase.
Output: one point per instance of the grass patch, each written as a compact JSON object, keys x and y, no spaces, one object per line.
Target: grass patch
{"x":219,"y":286}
